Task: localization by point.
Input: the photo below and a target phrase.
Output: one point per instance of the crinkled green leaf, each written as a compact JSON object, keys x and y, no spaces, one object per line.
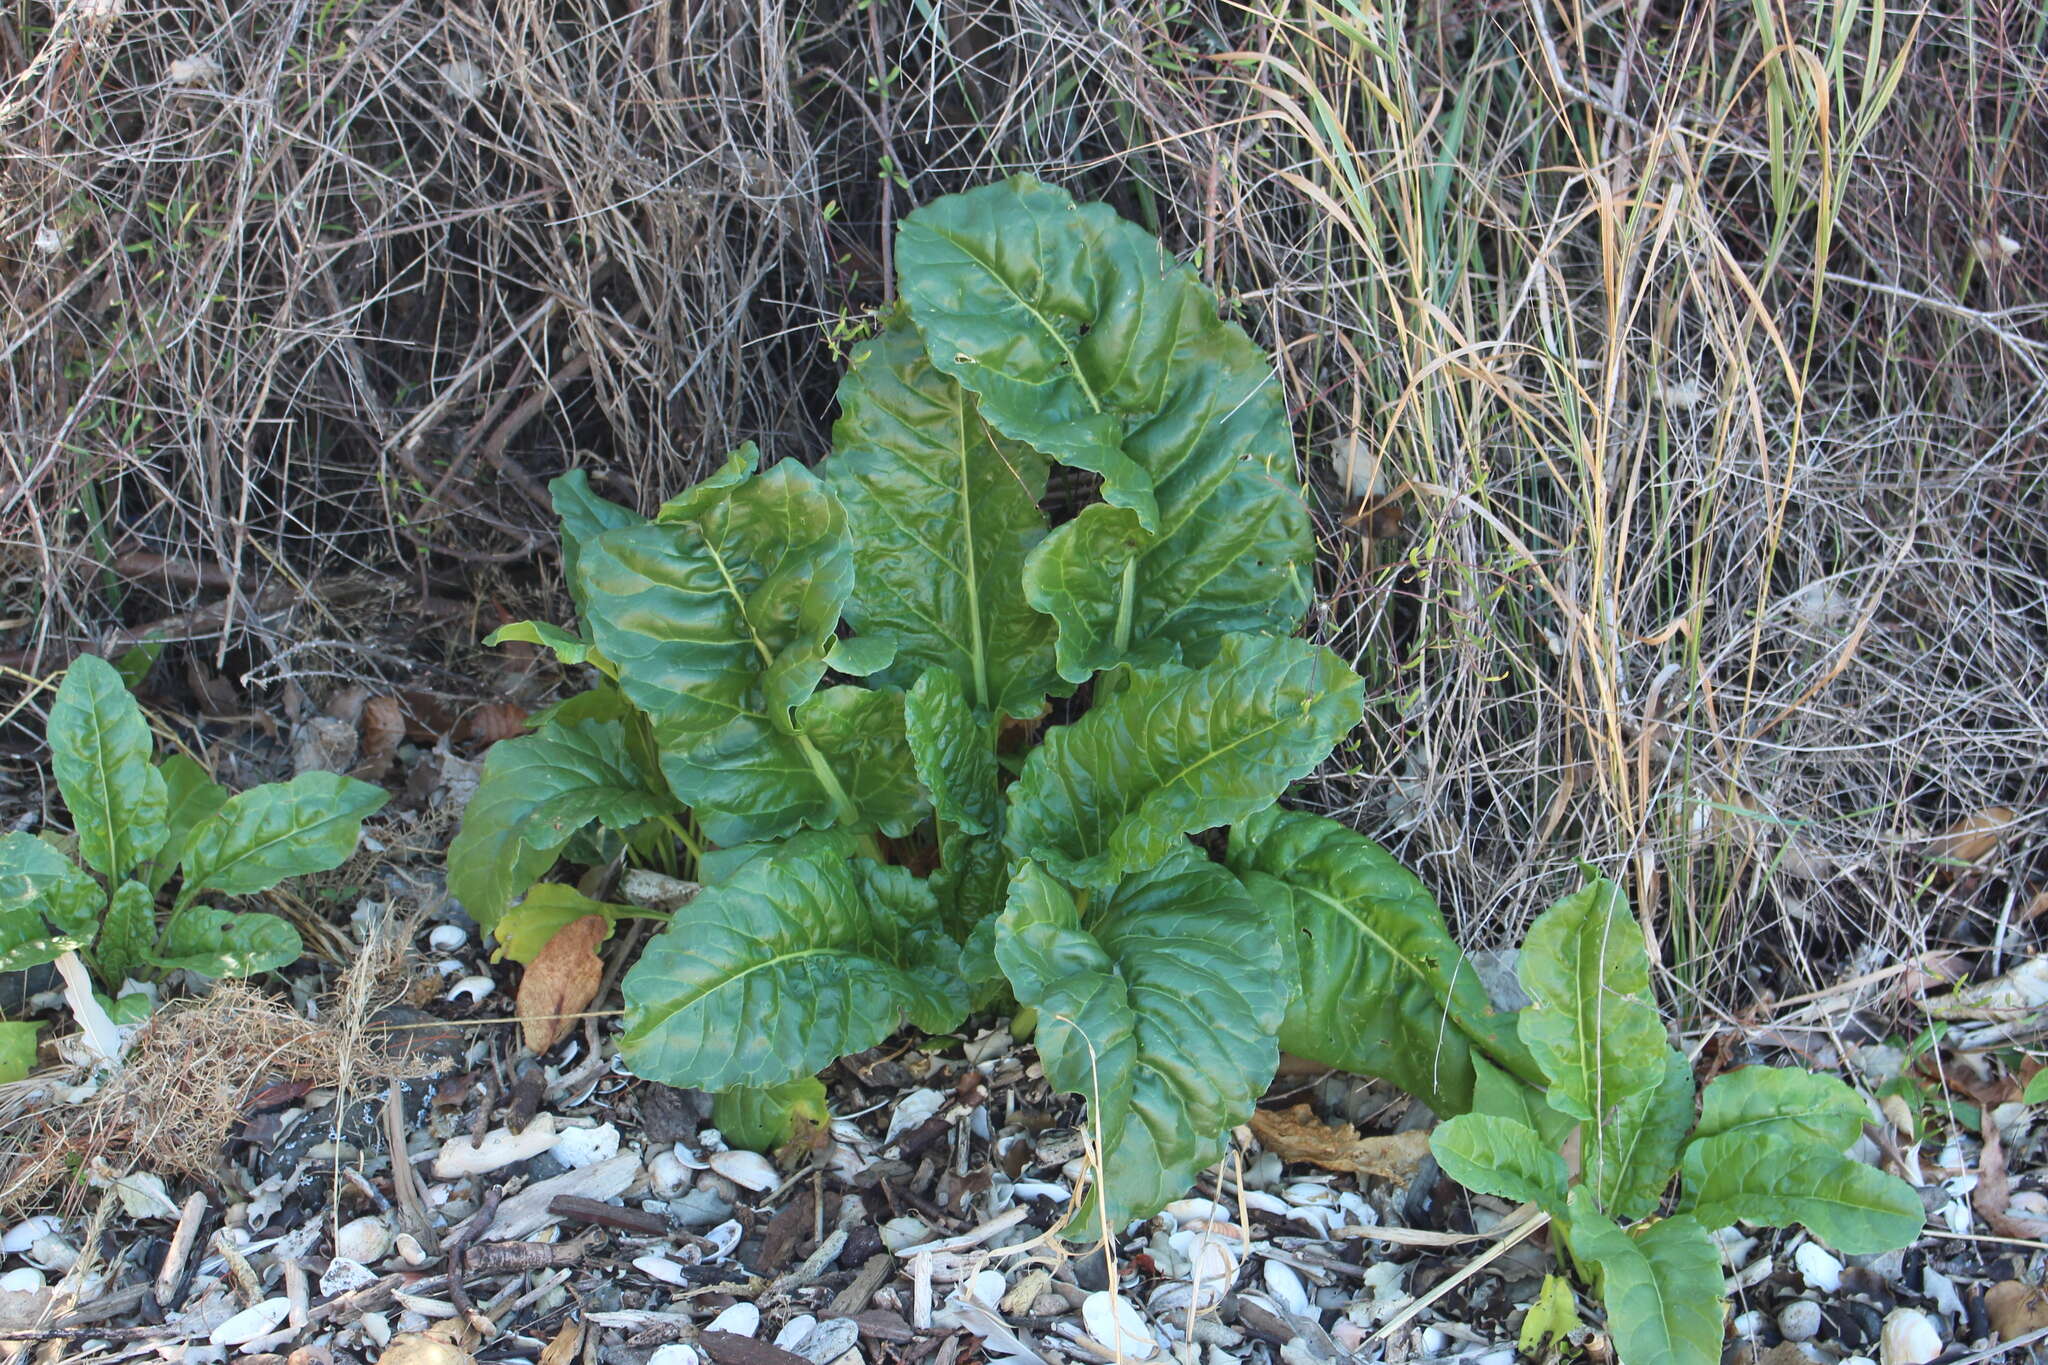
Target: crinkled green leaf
{"x":955,"y":750}
{"x":1592,"y":1025}
{"x":40,"y":886}
{"x":279,"y":830}
{"x":697,"y":611}
{"x":1176,"y":751}
{"x":1764,"y":1102}
{"x":17,"y":1049}
{"x":862,"y":656}
{"x":1660,"y":1283}
{"x":752,"y":781}
{"x":547,"y":908}
{"x":1383,"y":989}
{"x":943,"y":512}
{"x":908,"y":930}
{"x":1857,"y":1209}
{"x":760,"y":1120}
{"x":1631,"y":1158}
{"x":772,"y":975}
{"x":1160,"y":1002}
{"x":128,"y":936}
{"x":1083,"y":338}
{"x":220,"y":943}
{"x":1491,"y":1155}
{"x":536,"y":791}
{"x":99,"y":749}
{"x":567,"y":647}
{"x":192,"y":798}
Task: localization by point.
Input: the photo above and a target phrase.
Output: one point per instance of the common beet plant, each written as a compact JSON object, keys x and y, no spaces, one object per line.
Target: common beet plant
{"x":1767,"y":1144}
{"x":144,"y":832}
{"x":938,"y":720}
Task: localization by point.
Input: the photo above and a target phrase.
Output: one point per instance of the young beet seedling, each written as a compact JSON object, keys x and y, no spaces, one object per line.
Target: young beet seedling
{"x":1767,"y":1145}
{"x":139,"y":826}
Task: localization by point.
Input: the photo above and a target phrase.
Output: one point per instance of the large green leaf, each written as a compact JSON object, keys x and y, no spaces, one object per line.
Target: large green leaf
{"x":99,"y":749}
{"x":1764,"y":1102}
{"x":1857,"y":1209}
{"x":192,"y":799}
{"x":585,"y":516}
{"x":220,"y":943}
{"x":971,"y":882}
{"x":1592,"y":1025}
{"x":1159,"y":1002}
{"x":849,"y":763}
{"x":1383,"y":990}
{"x":536,"y":791}
{"x":17,"y":1049}
{"x":1660,"y":1282}
{"x":279,"y":830}
{"x":1081,"y":337}
{"x":724,"y":612}
{"x":943,"y":513}
{"x":955,"y":752}
{"x":26,"y":941}
{"x":1176,"y":751}
{"x":1499,"y":1156}
{"x":761,"y":1120}
{"x":128,"y":936}
{"x":775,"y":974}
{"x":1631,"y":1157}
{"x":1497,"y":1093}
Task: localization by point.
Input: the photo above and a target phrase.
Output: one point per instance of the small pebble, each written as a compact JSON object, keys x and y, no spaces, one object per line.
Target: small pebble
{"x":668,"y":1175}
{"x":1909,"y":1338}
{"x":1799,"y":1320}
{"x":1818,"y":1267}
{"x":829,"y":1341}
{"x":988,"y":1287}
{"x":410,"y":1251}
{"x":364,"y":1240}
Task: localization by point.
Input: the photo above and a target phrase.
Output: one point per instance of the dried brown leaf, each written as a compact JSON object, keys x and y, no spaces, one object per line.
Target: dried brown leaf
{"x":1296,"y":1134}
{"x":565,"y":1345}
{"x":1969,"y":841}
{"x":380,"y":730}
{"x":2016,"y":1308}
{"x":492,"y":722}
{"x":1993,"y":1195}
{"x":561,"y":981}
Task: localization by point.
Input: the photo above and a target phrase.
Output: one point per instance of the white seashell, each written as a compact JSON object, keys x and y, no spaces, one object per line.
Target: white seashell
{"x":449,"y":966}
{"x":906,"y":1231}
{"x":1259,"y":1201}
{"x":1750,"y":1276}
{"x":675,"y":1353}
{"x":1910,"y":1338}
{"x":446,"y":938}
{"x":53,"y":1253}
{"x":1185,"y":1211}
{"x":410,"y":1251}
{"x":1118,"y":1326}
{"x":793,"y":1331}
{"x":1322,"y":1217}
{"x":251,"y":1323}
{"x":916,"y":1107}
{"x":1434,"y":1339}
{"x":1286,"y":1286}
{"x":377,"y":1327}
{"x":472,"y":988}
{"x":748,"y":1170}
{"x":364,"y":1240}
{"x":1040,"y":1189}
{"x":1310,"y":1192}
{"x":988,"y":1286}
{"x":1354,"y":1208}
{"x":660,"y":1268}
{"x":1748,"y":1326}
{"x":1818,"y":1267}
{"x":829,"y":1342}
{"x":742,"y":1319}
{"x":1942,"y":1290}
{"x":344,"y":1276}
{"x":724,"y":1239}
{"x":28,"y":1232}
{"x":580,"y":1147}
{"x":501,"y":1147}
{"x":27,"y":1280}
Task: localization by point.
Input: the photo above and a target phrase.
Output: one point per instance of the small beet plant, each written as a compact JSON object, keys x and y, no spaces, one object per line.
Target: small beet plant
{"x":930,"y":748}
{"x":1766,"y":1146}
{"x":142,"y":829}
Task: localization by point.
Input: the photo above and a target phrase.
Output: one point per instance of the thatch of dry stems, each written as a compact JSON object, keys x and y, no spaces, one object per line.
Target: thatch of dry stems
{"x":1699,"y":368}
